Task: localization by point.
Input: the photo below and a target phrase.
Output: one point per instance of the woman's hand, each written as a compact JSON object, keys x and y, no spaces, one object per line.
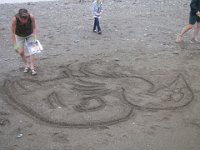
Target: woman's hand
{"x":198,"y":13}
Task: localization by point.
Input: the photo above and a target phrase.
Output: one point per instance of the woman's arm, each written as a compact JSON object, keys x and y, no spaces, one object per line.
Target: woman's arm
{"x":13,"y":27}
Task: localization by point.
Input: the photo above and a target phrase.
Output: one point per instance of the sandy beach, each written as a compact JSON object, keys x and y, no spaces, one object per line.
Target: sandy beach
{"x":130,"y":88}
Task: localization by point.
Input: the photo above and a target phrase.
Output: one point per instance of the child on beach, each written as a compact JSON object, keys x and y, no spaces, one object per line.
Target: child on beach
{"x":194,"y":18}
{"x":96,"y":11}
{"x":23,"y":29}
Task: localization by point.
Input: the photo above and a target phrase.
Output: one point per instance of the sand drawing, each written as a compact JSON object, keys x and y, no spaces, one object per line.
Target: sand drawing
{"x":90,"y":94}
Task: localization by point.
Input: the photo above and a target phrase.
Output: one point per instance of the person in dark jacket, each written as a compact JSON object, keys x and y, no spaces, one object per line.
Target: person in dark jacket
{"x":23,"y":29}
{"x":194,"y":18}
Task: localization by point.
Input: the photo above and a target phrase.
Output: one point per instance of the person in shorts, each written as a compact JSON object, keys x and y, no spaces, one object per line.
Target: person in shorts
{"x":23,"y":29}
{"x":194,"y":18}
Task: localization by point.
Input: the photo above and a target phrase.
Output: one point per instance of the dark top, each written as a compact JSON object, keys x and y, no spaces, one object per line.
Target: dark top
{"x":194,"y":6}
{"x":23,"y":29}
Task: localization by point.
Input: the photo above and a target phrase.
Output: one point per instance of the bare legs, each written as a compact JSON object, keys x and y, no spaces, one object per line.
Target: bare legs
{"x":186,"y":29}
{"x":21,"y":53}
{"x":29,"y":61}
{"x":195,"y":32}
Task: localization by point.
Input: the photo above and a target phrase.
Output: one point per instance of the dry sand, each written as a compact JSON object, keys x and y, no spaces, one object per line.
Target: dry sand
{"x":131,"y":88}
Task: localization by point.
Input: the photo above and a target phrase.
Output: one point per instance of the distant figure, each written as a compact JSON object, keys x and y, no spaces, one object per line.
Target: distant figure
{"x":96,"y":11}
{"x":23,"y":29}
{"x":194,"y":17}
{"x":81,"y":1}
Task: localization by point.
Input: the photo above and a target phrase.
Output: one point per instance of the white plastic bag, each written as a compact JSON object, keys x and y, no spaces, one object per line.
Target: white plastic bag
{"x":34,"y":47}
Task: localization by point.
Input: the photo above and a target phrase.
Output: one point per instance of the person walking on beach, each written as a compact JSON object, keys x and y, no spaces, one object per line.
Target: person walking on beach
{"x":194,"y":18}
{"x":81,"y":1}
{"x":23,"y":29}
{"x":96,"y":11}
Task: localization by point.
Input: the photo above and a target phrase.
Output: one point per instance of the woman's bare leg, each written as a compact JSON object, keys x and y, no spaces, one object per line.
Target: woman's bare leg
{"x":184,"y":30}
{"x":195,"y":32}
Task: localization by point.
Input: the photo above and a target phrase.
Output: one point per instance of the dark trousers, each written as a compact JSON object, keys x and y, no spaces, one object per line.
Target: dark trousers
{"x":96,"y":24}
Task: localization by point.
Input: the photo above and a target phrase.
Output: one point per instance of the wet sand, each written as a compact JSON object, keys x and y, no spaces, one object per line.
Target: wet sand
{"x":130,"y":88}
